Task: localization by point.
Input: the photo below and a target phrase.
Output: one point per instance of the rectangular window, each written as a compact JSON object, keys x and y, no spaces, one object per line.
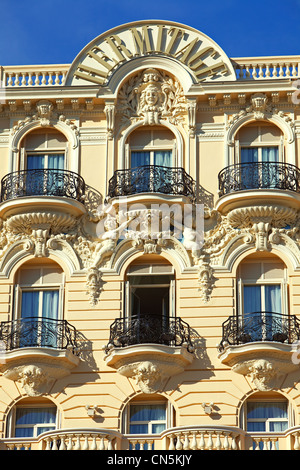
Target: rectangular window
{"x":267,"y":416}
{"x":32,"y":421}
{"x":147,"y":419}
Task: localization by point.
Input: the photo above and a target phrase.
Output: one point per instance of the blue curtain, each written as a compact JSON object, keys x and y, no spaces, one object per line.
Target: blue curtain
{"x":145,"y":413}
{"x":35,"y":162}
{"x":140,"y":159}
{"x":30,"y":304}
{"x":249,"y":155}
{"x":264,"y":411}
{"x":29,"y":417}
{"x":252,"y":299}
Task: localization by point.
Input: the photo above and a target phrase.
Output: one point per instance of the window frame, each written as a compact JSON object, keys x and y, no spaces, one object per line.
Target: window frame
{"x":127,"y":310}
{"x":263,"y":282}
{"x":259,"y":144}
{"x":267,"y":420}
{"x":151,"y":148}
{"x":170,"y":418}
{"x":11,"y":421}
{"x":41,"y":287}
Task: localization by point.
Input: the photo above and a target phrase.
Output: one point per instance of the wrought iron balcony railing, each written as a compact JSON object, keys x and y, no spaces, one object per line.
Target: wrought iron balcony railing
{"x":259,"y":175}
{"x":42,"y":182}
{"x":260,"y":326}
{"x":149,"y":328}
{"x":36,"y":332}
{"x":151,"y":179}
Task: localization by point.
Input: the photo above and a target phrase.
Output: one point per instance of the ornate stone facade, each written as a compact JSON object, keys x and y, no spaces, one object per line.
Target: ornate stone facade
{"x":146,"y":189}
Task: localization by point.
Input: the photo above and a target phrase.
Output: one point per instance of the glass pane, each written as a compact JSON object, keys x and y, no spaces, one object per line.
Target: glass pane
{"x":35,"y":415}
{"x":278,"y":426}
{"x":273,"y":298}
{"x":158,"y":428}
{"x":270,"y":154}
{"x":35,"y":162}
{"x":266,"y":410}
{"x":140,"y":159}
{"x":30,"y":304}
{"x":256,"y":426}
{"x":50,"y":303}
{"x":138,"y":429}
{"x":56,"y":162}
{"x":163,"y":158}
{"x":252,"y":299}
{"x":147,"y":412}
{"x":249,"y":155}
{"x":24,"y":432}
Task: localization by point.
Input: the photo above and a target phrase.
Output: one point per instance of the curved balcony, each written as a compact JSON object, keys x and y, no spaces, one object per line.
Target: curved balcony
{"x":43,"y":187}
{"x":261,"y":326}
{"x":151,"y":179}
{"x":37,"y":352}
{"x":35,"y":332}
{"x":149,"y":329}
{"x":262,"y":345}
{"x":251,"y":183}
{"x":149,"y":348}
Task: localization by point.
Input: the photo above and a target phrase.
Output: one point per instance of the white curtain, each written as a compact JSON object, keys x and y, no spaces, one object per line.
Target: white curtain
{"x":163,"y":158}
{"x":270,"y":154}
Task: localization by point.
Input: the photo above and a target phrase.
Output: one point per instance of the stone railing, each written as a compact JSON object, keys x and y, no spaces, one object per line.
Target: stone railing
{"x":264,"y":68}
{"x":176,"y":439}
{"x":204,"y":438}
{"x":67,"y":439}
{"x":34,"y":76}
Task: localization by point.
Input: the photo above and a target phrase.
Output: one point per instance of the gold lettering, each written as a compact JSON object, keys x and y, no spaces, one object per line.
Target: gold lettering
{"x":188,"y":49}
{"x":100,"y":59}
{"x":142,"y":43}
{"x":90,"y":70}
{"x":118,"y":47}
{"x":159,"y":38}
{"x":196,"y":57}
{"x":212,"y":70}
{"x":174,"y":32}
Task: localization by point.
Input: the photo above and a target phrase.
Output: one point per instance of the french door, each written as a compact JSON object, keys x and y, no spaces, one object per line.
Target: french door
{"x":262,"y":309}
{"x":38,"y":318}
{"x":263,"y":171}
{"x":39,"y":181}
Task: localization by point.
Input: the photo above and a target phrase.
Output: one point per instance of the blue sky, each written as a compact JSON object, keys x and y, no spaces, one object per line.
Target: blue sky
{"x":54,"y":32}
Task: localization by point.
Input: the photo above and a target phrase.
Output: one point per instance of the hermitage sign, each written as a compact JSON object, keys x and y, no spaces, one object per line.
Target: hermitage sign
{"x":204,"y":59}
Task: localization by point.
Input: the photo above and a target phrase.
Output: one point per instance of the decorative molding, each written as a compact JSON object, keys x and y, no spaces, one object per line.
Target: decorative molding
{"x":152,"y":96}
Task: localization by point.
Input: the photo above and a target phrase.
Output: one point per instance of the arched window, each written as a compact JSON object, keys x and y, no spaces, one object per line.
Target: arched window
{"x":151,"y":146}
{"x":150,"y":302}
{"x":266,"y":413}
{"x":263,"y":298}
{"x":144,"y":416}
{"x":43,"y":150}
{"x":260,"y":143}
{"x":31,"y":417}
{"x":38,"y":302}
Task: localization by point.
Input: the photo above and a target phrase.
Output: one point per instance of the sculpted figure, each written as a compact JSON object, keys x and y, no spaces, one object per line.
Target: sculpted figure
{"x":109,"y":239}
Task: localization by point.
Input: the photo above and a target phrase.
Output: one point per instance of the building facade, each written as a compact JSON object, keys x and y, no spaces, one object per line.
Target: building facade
{"x":150,"y":247}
